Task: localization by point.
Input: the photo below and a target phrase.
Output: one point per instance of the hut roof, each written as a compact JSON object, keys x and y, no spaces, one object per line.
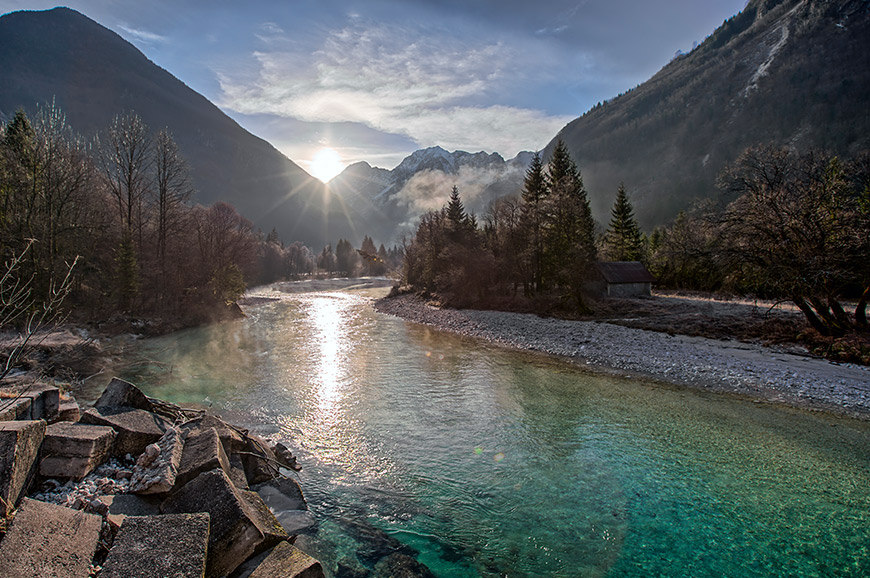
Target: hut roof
{"x":625,"y":272}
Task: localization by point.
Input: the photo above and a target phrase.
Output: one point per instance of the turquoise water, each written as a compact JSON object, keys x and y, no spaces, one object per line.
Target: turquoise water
{"x":491,"y":462}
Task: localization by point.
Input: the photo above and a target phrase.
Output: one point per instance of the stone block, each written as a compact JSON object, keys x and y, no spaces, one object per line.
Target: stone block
{"x":49,"y":540}
{"x":285,"y":500}
{"x":273,"y":531}
{"x":287,"y":561}
{"x":203,"y":451}
{"x":69,"y":411}
{"x":136,"y":428}
{"x":231,"y":438}
{"x":72,"y":450}
{"x":14,"y":408}
{"x":120,"y":506}
{"x":19,"y":448}
{"x":44,"y":399}
{"x":172,"y":545}
{"x":120,"y":393}
{"x":237,"y":530}
{"x":156,"y":469}
{"x":237,"y":472}
{"x":259,"y":461}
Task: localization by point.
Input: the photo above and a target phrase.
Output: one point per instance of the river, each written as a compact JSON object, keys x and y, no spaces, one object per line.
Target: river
{"x":492,"y":462}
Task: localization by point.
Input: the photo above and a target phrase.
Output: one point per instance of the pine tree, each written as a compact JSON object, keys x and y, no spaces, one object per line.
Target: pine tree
{"x":534,"y":190}
{"x":623,"y":237}
{"x":455,"y":210}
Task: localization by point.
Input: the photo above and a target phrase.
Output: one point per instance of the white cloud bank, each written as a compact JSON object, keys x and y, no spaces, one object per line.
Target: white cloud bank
{"x":428,"y":85}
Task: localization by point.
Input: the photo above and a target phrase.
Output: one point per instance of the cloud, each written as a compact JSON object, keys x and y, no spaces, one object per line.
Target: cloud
{"x":426,"y":84}
{"x":142,"y":35}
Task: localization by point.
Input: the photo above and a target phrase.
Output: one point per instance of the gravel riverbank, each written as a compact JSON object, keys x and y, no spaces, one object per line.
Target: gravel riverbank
{"x":716,"y":365}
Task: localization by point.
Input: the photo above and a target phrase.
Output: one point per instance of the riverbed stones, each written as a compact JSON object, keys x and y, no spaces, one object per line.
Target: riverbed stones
{"x":156,"y":470}
{"x":49,"y":540}
{"x":120,"y":393}
{"x":288,"y":561}
{"x":72,"y":450}
{"x":203,"y":451}
{"x":237,"y":528}
{"x":173,"y":545}
{"x":399,"y":565}
{"x":136,"y":428}
{"x":19,"y":448}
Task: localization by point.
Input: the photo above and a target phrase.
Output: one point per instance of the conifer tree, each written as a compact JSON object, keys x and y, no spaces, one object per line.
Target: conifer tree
{"x":534,"y":190}
{"x":624,"y":239}
{"x":455,"y":209}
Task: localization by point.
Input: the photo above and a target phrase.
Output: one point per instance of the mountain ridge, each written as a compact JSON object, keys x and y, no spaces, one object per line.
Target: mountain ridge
{"x":92,"y":74}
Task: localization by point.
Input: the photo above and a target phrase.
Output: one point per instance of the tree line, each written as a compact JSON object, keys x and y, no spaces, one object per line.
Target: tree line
{"x":787,"y":226}
{"x":117,"y":209}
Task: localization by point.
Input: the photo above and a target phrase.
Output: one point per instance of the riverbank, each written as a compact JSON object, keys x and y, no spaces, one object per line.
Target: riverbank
{"x":762,"y":373}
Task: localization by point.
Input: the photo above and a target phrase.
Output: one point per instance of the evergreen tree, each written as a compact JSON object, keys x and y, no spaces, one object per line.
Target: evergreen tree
{"x":534,"y":190}
{"x":624,"y":239}
{"x":455,"y":209}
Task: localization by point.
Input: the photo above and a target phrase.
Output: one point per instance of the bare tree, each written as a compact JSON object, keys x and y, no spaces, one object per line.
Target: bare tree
{"x":173,"y":191}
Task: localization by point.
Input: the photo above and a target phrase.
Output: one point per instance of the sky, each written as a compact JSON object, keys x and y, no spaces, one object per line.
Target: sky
{"x":330,"y":83}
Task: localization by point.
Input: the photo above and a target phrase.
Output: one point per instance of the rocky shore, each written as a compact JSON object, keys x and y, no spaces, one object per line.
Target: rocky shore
{"x":756,"y":371}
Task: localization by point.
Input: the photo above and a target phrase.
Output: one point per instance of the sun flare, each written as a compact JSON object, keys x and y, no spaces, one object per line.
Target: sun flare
{"x":326,"y":164}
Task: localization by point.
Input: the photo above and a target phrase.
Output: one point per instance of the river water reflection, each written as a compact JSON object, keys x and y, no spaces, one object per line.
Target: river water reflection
{"x":492,"y":462}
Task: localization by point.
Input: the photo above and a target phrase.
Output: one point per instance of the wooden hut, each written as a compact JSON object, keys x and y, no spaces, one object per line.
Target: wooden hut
{"x":623,"y":279}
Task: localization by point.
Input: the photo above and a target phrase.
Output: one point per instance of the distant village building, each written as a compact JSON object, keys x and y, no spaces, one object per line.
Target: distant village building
{"x":623,"y":279}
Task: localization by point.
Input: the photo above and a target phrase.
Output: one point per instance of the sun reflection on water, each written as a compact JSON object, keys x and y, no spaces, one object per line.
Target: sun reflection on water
{"x":327,"y":313}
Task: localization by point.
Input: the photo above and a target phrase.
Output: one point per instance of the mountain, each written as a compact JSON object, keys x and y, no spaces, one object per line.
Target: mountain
{"x":388,"y":202}
{"x":93,"y":74}
{"x":791,"y":72}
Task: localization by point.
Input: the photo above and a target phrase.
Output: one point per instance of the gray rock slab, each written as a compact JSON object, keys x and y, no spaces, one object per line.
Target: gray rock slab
{"x":167,"y":546}
{"x":282,"y":494}
{"x":235,"y":533}
{"x":237,"y":472}
{"x":259,"y":461}
{"x":297,"y":521}
{"x":14,"y":408}
{"x":122,"y":505}
{"x":120,"y":393}
{"x":44,"y":399}
{"x":136,"y":428}
{"x":19,"y":448}
{"x":287,"y":561}
{"x":73,"y":450}
{"x":157,"y":474}
{"x":273,"y":531}
{"x":203,"y":451}
{"x":232,"y":438}
{"x":49,"y":540}
{"x":69,"y":411}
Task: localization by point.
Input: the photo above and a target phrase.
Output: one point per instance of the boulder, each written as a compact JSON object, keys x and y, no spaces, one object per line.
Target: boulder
{"x":285,"y":500}
{"x":120,"y":393}
{"x":401,"y":566}
{"x":72,"y":450}
{"x":259,"y":460}
{"x":69,"y":411}
{"x":156,"y":470}
{"x":136,"y":428}
{"x":172,"y":545}
{"x":273,"y":531}
{"x":374,"y":543}
{"x":49,"y":540}
{"x":13,"y":407}
{"x":232,"y":439}
{"x":19,"y":448}
{"x":120,"y":506}
{"x":288,"y":561}
{"x":237,"y":528}
{"x":203,"y":451}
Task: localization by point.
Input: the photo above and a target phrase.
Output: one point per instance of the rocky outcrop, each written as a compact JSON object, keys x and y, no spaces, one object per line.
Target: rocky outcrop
{"x":193,"y":513}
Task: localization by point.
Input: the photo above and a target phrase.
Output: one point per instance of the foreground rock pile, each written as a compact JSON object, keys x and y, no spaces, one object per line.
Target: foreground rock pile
{"x":136,"y":487}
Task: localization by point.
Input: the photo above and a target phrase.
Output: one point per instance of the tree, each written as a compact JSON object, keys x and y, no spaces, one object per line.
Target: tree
{"x":125,"y":160}
{"x":623,"y":238}
{"x":534,"y":191}
{"x":173,"y":190}
{"x":801,"y":229}
{"x":455,"y":209}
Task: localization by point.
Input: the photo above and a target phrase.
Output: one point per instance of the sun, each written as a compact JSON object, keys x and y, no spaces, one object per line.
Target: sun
{"x":325,"y":164}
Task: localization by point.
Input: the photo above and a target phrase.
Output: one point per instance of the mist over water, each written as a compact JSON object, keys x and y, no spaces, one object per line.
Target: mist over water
{"x":492,"y":462}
